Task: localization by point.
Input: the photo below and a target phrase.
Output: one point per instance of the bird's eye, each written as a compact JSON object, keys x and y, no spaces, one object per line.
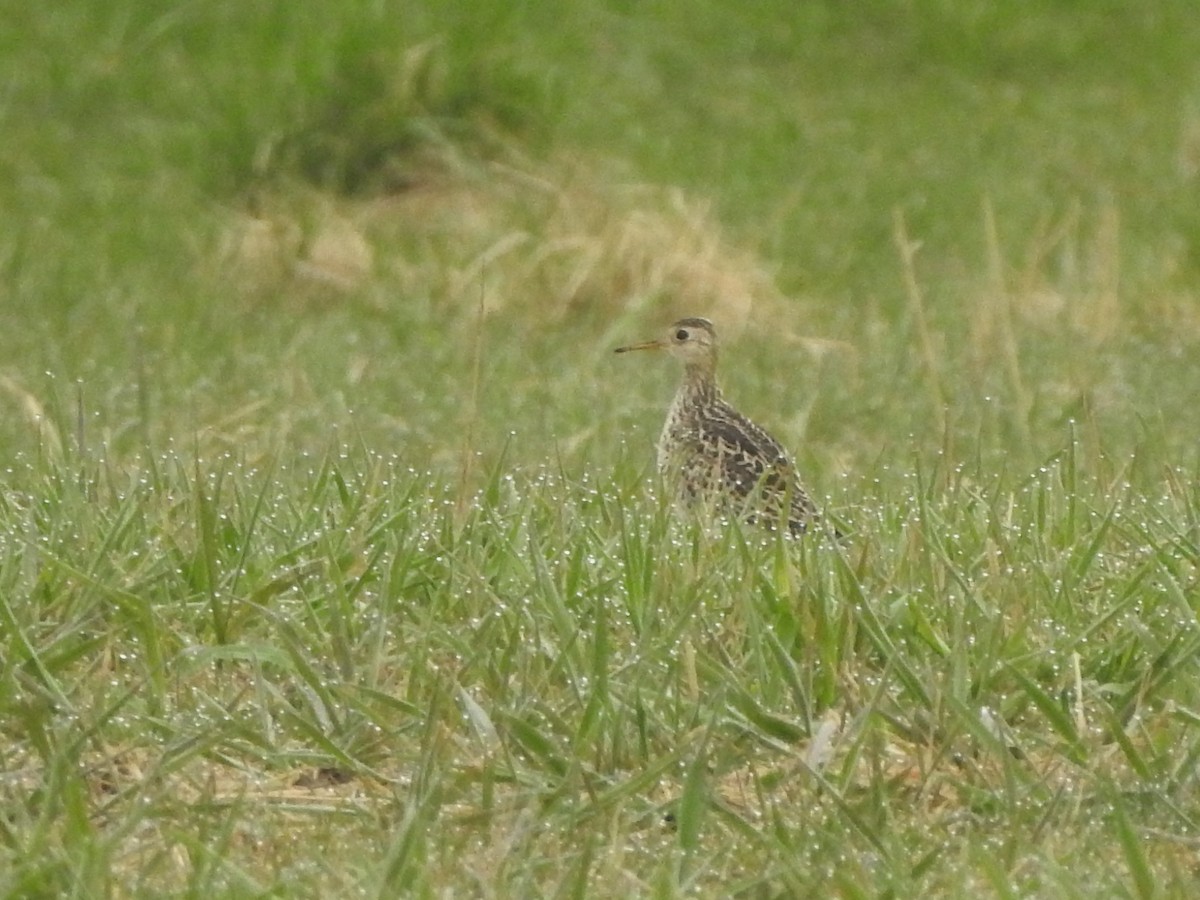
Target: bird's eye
{"x":681,"y":334}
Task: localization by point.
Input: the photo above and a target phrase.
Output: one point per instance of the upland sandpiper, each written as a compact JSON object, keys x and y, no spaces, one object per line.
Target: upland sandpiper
{"x":710,"y":452}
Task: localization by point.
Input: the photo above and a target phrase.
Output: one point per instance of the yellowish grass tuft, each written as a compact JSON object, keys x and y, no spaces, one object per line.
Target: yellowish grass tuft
{"x":33,"y":413}
{"x":538,"y":241}
{"x":1068,"y":280}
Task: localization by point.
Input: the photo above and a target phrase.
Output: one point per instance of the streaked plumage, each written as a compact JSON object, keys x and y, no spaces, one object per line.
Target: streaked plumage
{"x":711,"y":451}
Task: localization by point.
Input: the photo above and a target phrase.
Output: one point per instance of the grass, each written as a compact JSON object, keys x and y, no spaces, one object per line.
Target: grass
{"x":331,"y":561}
{"x":555,"y":686}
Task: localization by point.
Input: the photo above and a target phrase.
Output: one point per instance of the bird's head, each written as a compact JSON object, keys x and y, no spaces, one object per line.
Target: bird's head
{"x":692,"y":340}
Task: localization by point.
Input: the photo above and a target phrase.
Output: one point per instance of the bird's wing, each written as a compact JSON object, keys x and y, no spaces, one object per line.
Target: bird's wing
{"x":748,"y":454}
{"x":752,"y":461}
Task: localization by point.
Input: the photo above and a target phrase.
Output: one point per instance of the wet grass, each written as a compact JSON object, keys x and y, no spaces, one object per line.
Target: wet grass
{"x":342,"y":675}
{"x":330,"y":557}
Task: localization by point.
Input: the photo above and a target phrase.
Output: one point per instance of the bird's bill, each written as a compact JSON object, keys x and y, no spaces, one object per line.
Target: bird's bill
{"x":644,"y":345}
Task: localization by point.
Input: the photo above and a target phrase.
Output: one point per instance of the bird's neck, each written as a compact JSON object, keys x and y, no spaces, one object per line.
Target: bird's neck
{"x":699,"y":385}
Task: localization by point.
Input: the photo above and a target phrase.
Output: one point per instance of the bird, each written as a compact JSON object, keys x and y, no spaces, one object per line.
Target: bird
{"x":711,"y":453}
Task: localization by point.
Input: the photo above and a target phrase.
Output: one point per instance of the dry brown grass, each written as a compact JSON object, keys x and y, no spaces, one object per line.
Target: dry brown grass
{"x":542,"y":242}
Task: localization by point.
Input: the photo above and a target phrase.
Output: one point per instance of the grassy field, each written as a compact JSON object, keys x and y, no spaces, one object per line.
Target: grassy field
{"x":332,"y":559}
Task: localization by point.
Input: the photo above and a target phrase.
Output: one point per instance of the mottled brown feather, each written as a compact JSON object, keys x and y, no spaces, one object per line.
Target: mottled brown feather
{"x":713,"y":453}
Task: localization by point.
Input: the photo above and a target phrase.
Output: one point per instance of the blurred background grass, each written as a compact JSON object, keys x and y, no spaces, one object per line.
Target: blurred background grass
{"x":247,"y":221}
